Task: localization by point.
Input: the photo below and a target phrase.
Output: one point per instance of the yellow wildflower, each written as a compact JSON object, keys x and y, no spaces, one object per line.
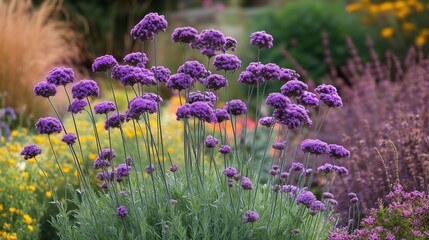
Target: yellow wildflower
{"x":92,"y":156}
{"x":387,"y":32}
{"x":11,"y":162}
{"x":12,"y":209}
{"x":3,"y":234}
{"x":48,"y":194}
{"x":3,"y":215}
{"x":66,"y":169}
{"x":12,"y":236}
{"x":407,"y":26}
{"x":31,"y":188}
{"x":13,"y":148}
{"x":6,"y":226}
{"x":21,"y":187}
{"x":420,"y":40}
{"x":31,"y":160}
{"x":14,"y":133}
{"x":353,"y":7}
{"x":386,"y":6}
{"x":27,"y":218}
{"x":1,"y":207}
{"x":25,"y":175}
{"x":30,"y":228}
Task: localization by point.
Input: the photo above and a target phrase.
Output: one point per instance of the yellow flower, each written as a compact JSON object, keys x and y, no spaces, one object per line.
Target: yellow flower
{"x":48,"y":194}
{"x":387,"y":32}
{"x":21,"y":187}
{"x":92,"y":156}
{"x":3,"y":234}
{"x":12,"y":209}
{"x":400,"y":4}
{"x":420,"y":40}
{"x":353,"y":7}
{"x":386,"y":6}
{"x":32,"y":160}
{"x":31,"y":188}
{"x":6,"y":226}
{"x":27,"y":218}
{"x":30,"y":228}
{"x":66,"y":169}
{"x":407,"y":26}
{"x":170,"y":150}
{"x":4,"y":215}
{"x":1,"y":207}
{"x":12,"y":236}
{"x":14,"y":133}
{"x":25,"y":175}
{"x":11,"y":162}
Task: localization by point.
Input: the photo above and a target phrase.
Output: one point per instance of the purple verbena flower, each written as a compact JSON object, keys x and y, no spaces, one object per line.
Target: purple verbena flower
{"x":122,"y":170}
{"x":314,"y":146}
{"x":249,"y":78}
{"x":224,"y":149}
{"x":107,"y":154}
{"x":327,"y":195}
{"x":69,"y":138}
{"x":308,"y":99}
{"x":337,"y":151}
{"x":100,"y":163}
{"x":294,"y":88}
{"x":279,"y":145}
{"x":226,"y":62}
{"x":221,"y":115}
{"x":195,"y":69}
{"x":215,"y":82}
{"x":161,"y":73}
{"x":230,"y":172}
{"x":48,"y":125}
{"x":114,"y":121}
{"x":152,"y":96}
{"x":292,"y":116}
{"x":341,"y":170}
{"x":284,"y":175}
{"x":119,"y":71}
{"x":267,"y":121}
{"x":250,"y":217}
{"x":236,"y":107}
{"x":326,"y":168}
{"x":136,"y":58}
{"x":211,"y":141}
{"x":287,"y":75}
{"x":209,"y":41}
{"x":246,"y":183}
{"x":104,"y":63}
{"x":230,"y":44}
{"x":261,"y":39}
{"x":45,"y":89}
{"x":291,"y":189}
{"x":208,"y":97}
{"x":327,"y":89}
{"x":104,"y":107}
{"x":179,"y":81}
{"x":202,"y":111}
{"x":277,"y":100}
{"x":174,"y":168}
{"x":85,"y":88}
{"x":103,"y":185}
{"x":331,"y":100}
{"x":138,"y":106}
{"x":31,"y":151}
{"x":77,"y":106}
{"x":138,"y":75}
{"x":317,"y":206}
{"x":184,"y":35}
{"x":183,"y":111}
{"x":271,"y":71}
{"x":305,"y":198}
{"x":121,"y":211}
{"x":150,"y":169}
{"x":60,"y":76}
{"x":151,"y":24}
{"x":297,"y":167}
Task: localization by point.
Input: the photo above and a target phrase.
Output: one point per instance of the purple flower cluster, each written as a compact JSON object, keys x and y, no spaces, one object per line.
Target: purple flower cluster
{"x":211,"y":141}
{"x":224,"y":149}
{"x":100,"y":163}
{"x":104,"y":107}
{"x":153,"y":97}
{"x":194,"y":69}
{"x":294,"y":88}
{"x":329,"y":96}
{"x":246,"y":183}
{"x":279,"y":145}
{"x":174,"y":168}
{"x":69,"y":138}
{"x":133,"y":75}
{"x":179,"y":81}
{"x":226,"y":62}
{"x":31,"y":151}
{"x":297,"y":167}
{"x":45,"y":89}
{"x":337,"y":151}
{"x":107,"y":154}
{"x":250,"y":217}
{"x":253,"y":74}
{"x":292,"y":116}
{"x":150,"y":25}
{"x":139,"y":106}
{"x":104,"y":63}
{"x":230,"y":172}
{"x":114,"y":121}
{"x":314,"y":146}
{"x":208,"y":97}
{"x":230,"y":44}
{"x":184,"y":35}
{"x":215,"y":82}
{"x":277,"y":100}
{"x":60,"y":76}
{"x":136,"y":59}
{"x":306,"y":198}
{"x":236,"y":107}
{"x":48,"y":125}
{"x":221,"y":115}
{"x":150,"y":169}
{"x":209,"y":41}
{"x":121,"y":211}
{"x":261,"y":39}
{"x":202,"y":111}
{"x":122,"y":170}
{"x":161,"y":73}
{"x":183,"y":111}
{"x":267,"y":121}
{"x":326,"y":168}
{"x":271,"y":71}
{"x":308,"y":99}
{"x":85,"y":88}
{"x":287,"y":75}
{"x":77,"y":106}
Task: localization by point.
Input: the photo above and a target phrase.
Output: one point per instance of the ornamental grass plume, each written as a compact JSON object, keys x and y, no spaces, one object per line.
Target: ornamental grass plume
{"x":33,"y":41}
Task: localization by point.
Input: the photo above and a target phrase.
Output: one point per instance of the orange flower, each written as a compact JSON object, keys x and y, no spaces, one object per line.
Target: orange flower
{"x":387,"y":32}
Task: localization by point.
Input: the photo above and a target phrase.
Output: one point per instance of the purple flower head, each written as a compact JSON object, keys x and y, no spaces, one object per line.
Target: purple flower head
{"x":274,"y":171}
{"x":297,"y":167}
{"x":194,"y":69}
{"x":174,"y":168}
{"x":183,"y":111}
{"x":179,"y":81}
{"x":308,"y":99}
{"x":150,"y":169}
{"x":152,"y":97}
{"x":314,"y":146}
{"x":123,"y":194}
{"x":317,"y":206}
{"x":104,"y":63}
{"x":151,"y":23}
{"x":138,"y":106}
{"x":202,"y":111}
{"x":337,"y":151}
{"x":230,"y":172}
{"x":230,"y":44}
{"x":60,"y":76}
{"x":287,"y":75}
{"x":275,"y":167}
{"x":221,"y":115}
{"x":257,"y":69}
{"x":327,"y":89}
{"x":103,"y":185}
{"x":136,"y":58}
{"x":48,"y":125}
{"x":208,"y":97}
{"x":307,"y":172}
{"x":209,"y":41}
{"x":226,"y":62}
{"x":114,"y":121}
{"x":354,"y":200}
{"x":184,"y":35}
{"x":122,"y":170}
{"x":85,"y":88}
{"x":31,"y":151}
{"x":162,"y":73}
{"x":129,"y":160}
{"x":104,"y":107}
{"x":107,"y":154}
{"x":249,"y":78}
{"x":211,"y":141}
{"x":328,"y":195}
{"x":277,"y":100}
{"x":293,"y":116}
{"x":246,"y":183}
{"x":69,"y":138}
{"x":267,"y":121}
{"x":215,"y":82}
{"x":224,"y":149}
{"x":121,"y":211}
{"x":77,"y":106}
{"x":294,"y":88}
{"x":306,"y":198}
{"x":237,"y":177}
{"x":351,"y":195}
{"x":138,"y":75}
{"x":326,"y":168}
{"x":341,"y":170}
{"x":290,"y":189}
{"x":279,"y":145}
{"x":236,"y":107}
{"x":331,"y":100}
{"x":271,"y":71}
{"x":119,"y":71}
{"x":110,"y":175}
{"x":261,"y":39}
{"x":101,"y":163}
{"x":45,"y":89}
{"x":284,"y":175}
{"x":250,"y":217}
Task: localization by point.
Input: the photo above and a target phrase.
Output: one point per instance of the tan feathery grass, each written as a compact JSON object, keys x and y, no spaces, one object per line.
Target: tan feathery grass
{"x":32,"y":41}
